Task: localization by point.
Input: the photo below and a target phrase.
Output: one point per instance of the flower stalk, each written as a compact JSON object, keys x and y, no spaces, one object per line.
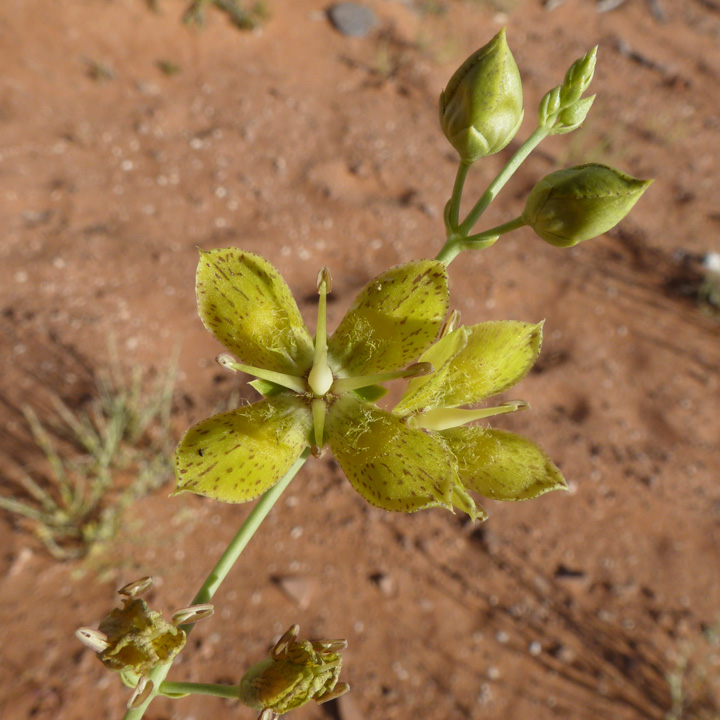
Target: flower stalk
{"x":219,"y":573}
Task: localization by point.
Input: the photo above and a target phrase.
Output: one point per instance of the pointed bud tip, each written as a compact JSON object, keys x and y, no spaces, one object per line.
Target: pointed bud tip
{"x":481,"y":106}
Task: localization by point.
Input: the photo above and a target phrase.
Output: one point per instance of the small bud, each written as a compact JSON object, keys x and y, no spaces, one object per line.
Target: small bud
{"x":296,"y":672}
{"x":481,"y":107}
{"x":565,"y":98}
{"x":578,"y":77}
{"x":573,"y":117}
{"x":569,"y":206}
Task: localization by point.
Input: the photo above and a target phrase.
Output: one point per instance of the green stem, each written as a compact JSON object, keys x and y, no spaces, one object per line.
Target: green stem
{"x":222,"y":568}
{"x":497,"y":184}
{"x":479,"y":241}
{"x":456,"y":197}
{"x":189,"y":688}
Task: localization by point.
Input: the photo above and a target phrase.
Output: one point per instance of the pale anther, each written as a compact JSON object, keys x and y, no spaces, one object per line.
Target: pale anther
{"x":192,"y":614}
{"x":141,"y":694}
{"x":94,"y":639}
{"x":136,"y":587}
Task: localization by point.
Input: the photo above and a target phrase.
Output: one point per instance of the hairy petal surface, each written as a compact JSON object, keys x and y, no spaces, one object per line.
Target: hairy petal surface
{"x":423,"y":392}
{"x":391,"y":465}
{"x":495,"y":356}
{"x":238,"y":455}
{"x":502,"y":465}
{"x":394,"y":318}
{"x":244,"y":302}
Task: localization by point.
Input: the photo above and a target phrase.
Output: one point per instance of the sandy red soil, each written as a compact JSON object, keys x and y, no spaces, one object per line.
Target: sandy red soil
{"x":314,"y":149}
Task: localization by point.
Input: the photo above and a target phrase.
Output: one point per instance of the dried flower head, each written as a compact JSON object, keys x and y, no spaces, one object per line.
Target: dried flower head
{"x":296,"y":672}
{"x":133,"y":639}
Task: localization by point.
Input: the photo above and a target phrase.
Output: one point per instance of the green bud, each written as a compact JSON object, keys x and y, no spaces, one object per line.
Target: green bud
{"x":565,"y":97}
{"x":573,"y":117}
{"x":481,"y":107}
{"x":578,"y":77}
{"x":569,"y":206}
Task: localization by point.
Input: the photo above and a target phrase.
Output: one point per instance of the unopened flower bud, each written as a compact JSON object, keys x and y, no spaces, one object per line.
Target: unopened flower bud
{"x":569,"y":206}
{"x":562,"y":109}
{"x":573,"y":117}
{"x":481,"y":107}
{"x":296,"y":672}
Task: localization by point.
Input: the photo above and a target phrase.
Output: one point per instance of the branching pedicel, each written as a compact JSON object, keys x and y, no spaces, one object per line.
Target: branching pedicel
{"x":323,"y":391}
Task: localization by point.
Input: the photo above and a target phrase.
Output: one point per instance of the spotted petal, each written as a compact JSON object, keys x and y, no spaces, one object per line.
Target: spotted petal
{"x":236,"y":456}
{"x":391,"y":465}
{"x":244,"y":302}
{"x":502,"y":465}
{"x":490,"y":358}
{"x":393,"y":319}
{"x":427,"y":391}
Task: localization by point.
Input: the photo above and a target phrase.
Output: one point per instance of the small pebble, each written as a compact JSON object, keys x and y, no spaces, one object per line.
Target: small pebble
{"x":352,"y":19}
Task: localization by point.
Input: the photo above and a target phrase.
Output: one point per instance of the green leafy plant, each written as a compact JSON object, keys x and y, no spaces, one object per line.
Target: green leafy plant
{"x":323,"y":391}
{"x":100,"y":458}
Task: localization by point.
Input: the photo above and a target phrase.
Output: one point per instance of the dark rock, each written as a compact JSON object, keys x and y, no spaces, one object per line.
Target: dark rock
{"x":351,"y":18}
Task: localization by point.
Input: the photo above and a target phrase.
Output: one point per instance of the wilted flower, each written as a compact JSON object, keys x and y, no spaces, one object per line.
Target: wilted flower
{"x":134,"y":639}
{"x":481,"y":107}
{"x":569,"y":206}
{"x":472,"y":364}
{"x":296,"y":672}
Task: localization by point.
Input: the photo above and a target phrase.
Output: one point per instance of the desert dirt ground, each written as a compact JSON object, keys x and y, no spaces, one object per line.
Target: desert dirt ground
{"x":313,"y":148}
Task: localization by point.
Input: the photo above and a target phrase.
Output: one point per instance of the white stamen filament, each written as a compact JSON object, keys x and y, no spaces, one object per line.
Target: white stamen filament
{"x":289,"y":381}
{"x":343,"y":385}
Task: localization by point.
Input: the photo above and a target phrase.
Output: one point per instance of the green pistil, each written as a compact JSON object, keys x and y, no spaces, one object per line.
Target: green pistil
{"x":289,"y":381}
{"x":318,"y":412}
{"x":321,"y":378}
{"x":446,"y":418}
{"x":343,"y":385}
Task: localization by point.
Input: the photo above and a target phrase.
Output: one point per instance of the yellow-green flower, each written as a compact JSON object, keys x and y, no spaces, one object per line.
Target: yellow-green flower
{"x":322,"y":391}
{"x":472,"y":364}
{"x":318,"y":391}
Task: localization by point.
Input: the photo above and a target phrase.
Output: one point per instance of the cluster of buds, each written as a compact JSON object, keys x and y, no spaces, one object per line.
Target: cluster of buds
{"x":480,"y":113}
{"x":133,"y":639}
{"x":296,"y":672}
